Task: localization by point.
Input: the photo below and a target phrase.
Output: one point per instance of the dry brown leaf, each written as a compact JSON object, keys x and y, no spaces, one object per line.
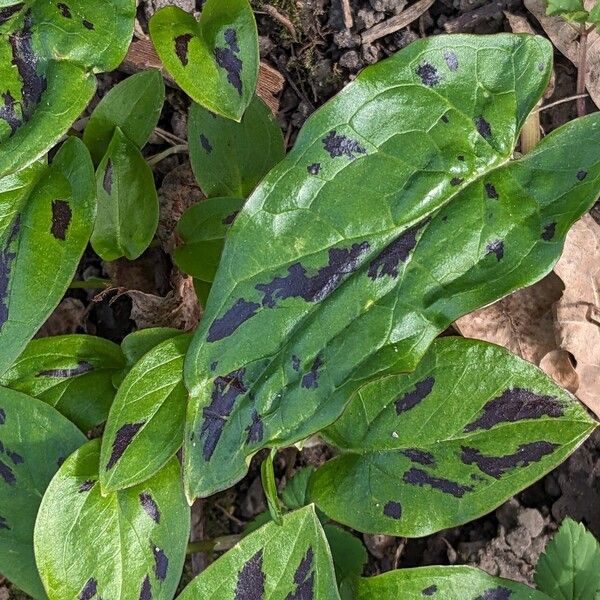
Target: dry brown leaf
{"x":558,"y":365}
{"x":68,"y":317}
{"x":521,"y":322}
{"x":578,"y":311}
{"x":565,"y":36}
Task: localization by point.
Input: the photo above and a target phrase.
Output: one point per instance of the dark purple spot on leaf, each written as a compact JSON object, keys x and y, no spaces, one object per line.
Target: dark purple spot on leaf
{"x":461,"y":158}
{"x":205,"y":144}
{"x":314,"y":168}
{"x":456,"y":181}
{"x":6,"y":259}
{"x":496,"y":247}
{"x":445,"y":119}
{"x":419,"y":456}
{"x":491,"y":192}
{"x":411,"y":399}
{"x":226,"y":389}
{"x":516,"y":404}
{"x":388,"y":261}
{"x":146,"y":590}
{"x":239,"y":313}
{"x":231,"y":40}
{"x":304,"y":578}
{"x":150,"y":506}
{"x":295,"y":363}
{"x":123,"y":438}
{"x":226,"y":59}
{"x":89,"y":589}
{"x":9,"y":11}
{"x":3,"y":523}
{"x":422,"y":478}
{"x":7,"y":474}
{"x":182,"y":43}
{"x":251,"y":579}
{"x":213,"y":365}
{"x":229,"y":219}
{"x":108,"y":177}
{"x":549,"y":231}
{"x":483,"y":127}
{"x":310,"y":380}
{"x":451,"y":60}
{"x":541,"y":67}
{"x":340,"y":145}
{"x":581,"y":175}
{"x":81,"y":368}
{"x":88,"y":24}
{"x":161,"y":563}
{"x":16,"y":458}
{"x":61,"y":219}
{"x":296,"y":284}
{"x":429,"y":591}
{"x":499,"y":593}
{"x":429,"y":74}
{"x":87,"y":485}
{"x":255,"y":429}
{"x":392,"y":509}
{"x":496,"y":466}
{"x":2,"y":416}
{"x":8,"y":112}
{"x":65,"y":11}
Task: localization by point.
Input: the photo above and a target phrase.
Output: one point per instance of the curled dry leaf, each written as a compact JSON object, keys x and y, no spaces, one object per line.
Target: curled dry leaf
{"x":559,"y":366}
{"x":578,"y":311}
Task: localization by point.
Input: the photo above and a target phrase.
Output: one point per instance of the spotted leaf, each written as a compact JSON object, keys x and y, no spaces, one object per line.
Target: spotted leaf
{"x":146,"y":421}
{"x":277,"y":562}
{"x":90,"y":545}
{"x":127,"y":201}
{"x":62,"y":370}
{"x":34,"y":441}
{"x":215,"y":60}
{"x":373,"y":235}
{"x":439,"y":583}
{"x":447,"y":443}
{"x":229,"y":158}
{"x":46,"y":218}
{"x":49,"y":52}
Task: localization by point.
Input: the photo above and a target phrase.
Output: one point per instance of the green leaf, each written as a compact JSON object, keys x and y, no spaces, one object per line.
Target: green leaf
{"x":295,"y":494}
{"x":46,"y":217}
{"x":215,"y":61}
{"x":439,"y":583}
{"x":62,"y":370}
{"x":468,"y":429}
{"x":348,"y":553}
{"x":395,"y":213}
{"x":267,"y":475}
{"x":202,"y":230}
{"x":34,"y":440}
{"x":568,"y":568}
{"x":127,"y":202}
{"x":146,"y":421}
{"x":274,"y":563}
{"x":594,"y":14}
{"x":229,"y":158}
{"x":573,"y":10}
{"x":48,"y":54}
{"x":127,"y":544}
{"x":134,"y":105}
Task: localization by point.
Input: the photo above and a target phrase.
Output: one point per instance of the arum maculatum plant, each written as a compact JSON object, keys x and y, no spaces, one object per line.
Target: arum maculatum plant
{"x":327,"y":276}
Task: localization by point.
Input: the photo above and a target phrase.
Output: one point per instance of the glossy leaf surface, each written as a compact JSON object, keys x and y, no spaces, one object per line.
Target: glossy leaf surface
{"x":395,"y":213}
{"x":72,"y":373}
{"x":48,"y":54}
{"x":276,"y":562}
{"x":46,"y":218}
{"x":34,"y":440}
{"x":127,"y":202}
{"x":134,"y":105}
{"x":472,"y":426}
{"x":126,"y":545}
{"x":215,"y":61}
{"x":229,"y":158}
{"x":568,"y":568}
{"x":202,"y":230}
{"x":439,"y":583}
{"x":146,"y":422}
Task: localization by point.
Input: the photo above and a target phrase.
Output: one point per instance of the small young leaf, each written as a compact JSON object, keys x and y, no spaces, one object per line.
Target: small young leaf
{"x":134,"y":105}
{"x":45,"y":224}
{"x":573,"y":10}
{"x":126,"y":544}
{"x":34,"y":441}
{"x":469,"y":428}
{"x":348,"y":553}
{"x":127,"y":202}
{"x":295,"y":494}
{"x":146,"y":421}
{"x":270,"y":488}
{"x":276,"y":562}
{"x":215,"y":61}
{"x":438,"y":583}
{"x":202,"y":230}
{"x":229,"y":158}
{"x":568,"y":568}
{"x":63,"y":370}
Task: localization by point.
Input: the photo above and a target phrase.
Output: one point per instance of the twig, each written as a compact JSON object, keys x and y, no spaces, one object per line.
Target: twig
{"x":405,"y":18}
{"x":218,"y":544}
{"x":581,"y":69}
{"x":168,"y":136}
{"x":561,"y":101}
{"x":154,"y":160}
{"x":275,"y":14}
{"x":347,"y":14}
{"x":93,"y":283}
